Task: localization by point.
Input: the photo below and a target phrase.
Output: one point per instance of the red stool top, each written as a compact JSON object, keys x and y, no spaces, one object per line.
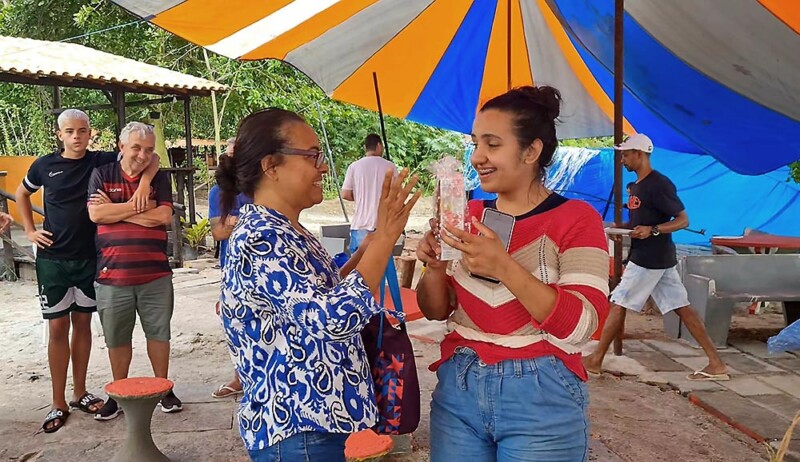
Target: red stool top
{"x":139,"y":387}
{"x":410,"y":306}
{"x":366,"y":445}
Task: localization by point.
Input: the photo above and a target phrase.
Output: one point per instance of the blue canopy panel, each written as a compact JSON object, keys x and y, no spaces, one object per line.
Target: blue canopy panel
{"x":690,"y":111}
{"x":717,"y":199}
{"x":451,"y":95}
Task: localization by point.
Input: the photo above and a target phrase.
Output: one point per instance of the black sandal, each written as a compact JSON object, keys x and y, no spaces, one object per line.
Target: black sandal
{"x":55,"y":415}
{"x":84,"y":404}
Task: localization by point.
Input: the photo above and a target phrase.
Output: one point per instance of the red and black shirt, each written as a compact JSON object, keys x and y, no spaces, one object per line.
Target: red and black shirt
{"x":127,"y":253}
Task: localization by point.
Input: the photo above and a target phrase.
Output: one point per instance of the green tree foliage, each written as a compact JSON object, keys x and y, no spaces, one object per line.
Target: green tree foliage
{"x":26,"y":126}
{"x":795,"y":171}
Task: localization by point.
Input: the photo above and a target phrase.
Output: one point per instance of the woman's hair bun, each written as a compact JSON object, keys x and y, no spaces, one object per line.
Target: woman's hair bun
{"x":547,"y":98}
{"x":226,"y":173}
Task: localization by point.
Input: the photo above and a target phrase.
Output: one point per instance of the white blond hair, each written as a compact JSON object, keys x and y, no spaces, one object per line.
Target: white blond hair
{"x":141,"y":128}
{"x":72,"y":114}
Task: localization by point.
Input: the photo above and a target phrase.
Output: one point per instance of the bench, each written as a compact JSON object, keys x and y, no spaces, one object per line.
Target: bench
{"x":715,"y":283}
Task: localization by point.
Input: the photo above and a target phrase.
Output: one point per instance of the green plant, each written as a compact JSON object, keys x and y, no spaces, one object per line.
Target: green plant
{"x":202,"y":175}
{"x":196,"y":234}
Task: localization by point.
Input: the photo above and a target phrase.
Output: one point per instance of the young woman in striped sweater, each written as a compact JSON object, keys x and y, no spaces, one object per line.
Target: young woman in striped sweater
{"x":511,"y":382}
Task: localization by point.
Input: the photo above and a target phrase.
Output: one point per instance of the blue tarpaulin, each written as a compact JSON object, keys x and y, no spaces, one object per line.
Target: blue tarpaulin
{"x":717,"y":199}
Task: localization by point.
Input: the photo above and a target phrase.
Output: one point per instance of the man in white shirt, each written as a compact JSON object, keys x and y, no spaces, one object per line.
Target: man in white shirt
{"x":363,"y":183}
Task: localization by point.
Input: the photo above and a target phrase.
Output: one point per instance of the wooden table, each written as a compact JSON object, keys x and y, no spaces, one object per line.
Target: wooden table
{"x":762,"y":243}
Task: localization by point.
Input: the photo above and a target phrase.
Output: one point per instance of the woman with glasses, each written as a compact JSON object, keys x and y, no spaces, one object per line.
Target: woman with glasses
{"x":292,"y":318}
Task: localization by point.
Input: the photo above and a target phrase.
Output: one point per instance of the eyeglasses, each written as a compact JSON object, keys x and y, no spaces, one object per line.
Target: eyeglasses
{"x":319,"y":156}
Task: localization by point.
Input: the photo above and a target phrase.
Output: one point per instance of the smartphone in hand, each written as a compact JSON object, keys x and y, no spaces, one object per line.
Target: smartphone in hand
{"x":503,"y":225}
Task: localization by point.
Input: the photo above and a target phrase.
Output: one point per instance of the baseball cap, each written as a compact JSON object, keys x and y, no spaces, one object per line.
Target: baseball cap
{"x":639,"y":142}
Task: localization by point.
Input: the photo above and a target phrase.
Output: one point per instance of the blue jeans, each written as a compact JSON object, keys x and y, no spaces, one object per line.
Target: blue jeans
{"x":304,"y":447}
{"x":516,"y":410}
{"x":389,"y":276}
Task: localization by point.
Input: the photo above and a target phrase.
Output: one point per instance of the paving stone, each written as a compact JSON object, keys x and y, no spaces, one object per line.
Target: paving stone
{"x":656,"y":378}
{"x":656,"y":361}
{"x":750,"y":386}
{"x":698,"y":363}
{"x":786,"y":363}
{"x":781,"y":404}
{"x":635,"y":345}
{"x":748,"y":364}
{"x":745,"y":412}
{"x":679,"y":381}
{"x":626,"y":365}
{"x":788,"y":383}
{"x":673,"y":349}
{"x":790,"y":456}
{"x":757,"y":348}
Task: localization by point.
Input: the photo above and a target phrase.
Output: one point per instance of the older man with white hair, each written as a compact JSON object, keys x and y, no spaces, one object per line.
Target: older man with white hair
{"x":65,"y":261}
{"x":133,"y":272}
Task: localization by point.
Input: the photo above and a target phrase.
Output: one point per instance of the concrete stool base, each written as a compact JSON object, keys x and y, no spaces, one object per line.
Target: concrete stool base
{"x":138,"y":398}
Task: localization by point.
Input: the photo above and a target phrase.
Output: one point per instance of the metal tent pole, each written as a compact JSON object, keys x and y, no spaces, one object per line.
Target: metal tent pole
{"x":619,"y":14}
{"x":380,"y":114}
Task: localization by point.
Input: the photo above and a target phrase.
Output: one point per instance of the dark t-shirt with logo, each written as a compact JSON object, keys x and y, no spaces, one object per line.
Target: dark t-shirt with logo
{"x":653,"y":201}
{"x":66,"y":216}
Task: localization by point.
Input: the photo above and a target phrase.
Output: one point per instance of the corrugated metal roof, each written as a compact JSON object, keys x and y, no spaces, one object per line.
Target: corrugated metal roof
{"x":74,"y":63}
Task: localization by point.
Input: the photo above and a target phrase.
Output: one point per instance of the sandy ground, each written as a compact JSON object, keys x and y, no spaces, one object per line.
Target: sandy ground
{"x":631,"y":421}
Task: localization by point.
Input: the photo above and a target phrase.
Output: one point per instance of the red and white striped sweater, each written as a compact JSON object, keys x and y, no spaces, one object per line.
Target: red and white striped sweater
{"x":563,"y":244}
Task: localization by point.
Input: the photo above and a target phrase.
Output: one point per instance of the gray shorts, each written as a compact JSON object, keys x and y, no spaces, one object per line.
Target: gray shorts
{"x":118,"y":305}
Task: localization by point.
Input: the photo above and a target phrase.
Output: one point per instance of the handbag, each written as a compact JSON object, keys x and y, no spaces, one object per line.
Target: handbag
{"x":394,"y":374}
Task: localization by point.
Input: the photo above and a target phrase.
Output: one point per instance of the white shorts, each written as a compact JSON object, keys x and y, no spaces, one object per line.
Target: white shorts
{"x":639,"y":283}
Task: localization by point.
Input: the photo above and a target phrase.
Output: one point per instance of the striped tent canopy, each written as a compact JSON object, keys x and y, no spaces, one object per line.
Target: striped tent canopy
{"x":716,"y":77}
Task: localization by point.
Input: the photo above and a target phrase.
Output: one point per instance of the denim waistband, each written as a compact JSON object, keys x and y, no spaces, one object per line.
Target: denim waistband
{"x":466,"y":358}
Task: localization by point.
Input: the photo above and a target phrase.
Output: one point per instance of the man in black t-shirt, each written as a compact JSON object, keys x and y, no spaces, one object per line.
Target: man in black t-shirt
{"x":655,"y":212}
{"x":66,"y":255}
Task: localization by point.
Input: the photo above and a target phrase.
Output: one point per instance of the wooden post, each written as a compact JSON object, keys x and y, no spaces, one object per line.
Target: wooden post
{"x":8,"y":247}
{"x":57,"y":105}
{"x":187,"y":120}
{"x":180,"y":185}
{"x":407,"y":265}
{"x":119,"y":108}
{"x":619,"y":16}
{"x":177,"y":239}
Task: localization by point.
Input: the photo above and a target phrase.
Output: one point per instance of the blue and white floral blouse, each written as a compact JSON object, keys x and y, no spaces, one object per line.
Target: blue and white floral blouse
{"x":293,"y":330}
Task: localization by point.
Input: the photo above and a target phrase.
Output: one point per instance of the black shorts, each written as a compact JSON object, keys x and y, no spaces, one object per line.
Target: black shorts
{"x":66,"y":286}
